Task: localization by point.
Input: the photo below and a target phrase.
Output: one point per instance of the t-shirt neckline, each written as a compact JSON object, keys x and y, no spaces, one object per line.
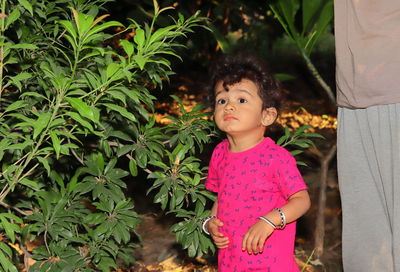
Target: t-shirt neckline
{"x":264,"y":142}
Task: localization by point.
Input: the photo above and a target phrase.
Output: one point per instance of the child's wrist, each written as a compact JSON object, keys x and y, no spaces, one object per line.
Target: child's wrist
{"x":283,"y":218}
{"x":205,"y":221}
{"x":269,"y":222}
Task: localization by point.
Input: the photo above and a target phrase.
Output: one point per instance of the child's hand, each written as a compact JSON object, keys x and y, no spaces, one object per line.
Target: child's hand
{"x":253,"y":241}
{"x":219,"y":239}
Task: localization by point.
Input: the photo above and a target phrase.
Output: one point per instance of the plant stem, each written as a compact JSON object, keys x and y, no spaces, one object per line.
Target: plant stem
{"x":2,"y":29}
{"x":318,"y":77}
{"x":20,"y":175}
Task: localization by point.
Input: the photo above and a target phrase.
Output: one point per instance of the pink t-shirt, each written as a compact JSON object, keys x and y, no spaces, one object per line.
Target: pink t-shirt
{"x":249,"y":184}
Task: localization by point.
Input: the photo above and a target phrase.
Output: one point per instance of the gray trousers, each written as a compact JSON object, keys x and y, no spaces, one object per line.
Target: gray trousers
{"x":369,"y":182}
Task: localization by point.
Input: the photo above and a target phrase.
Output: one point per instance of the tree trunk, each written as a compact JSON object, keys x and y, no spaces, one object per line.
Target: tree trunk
{"x":320,"y":222}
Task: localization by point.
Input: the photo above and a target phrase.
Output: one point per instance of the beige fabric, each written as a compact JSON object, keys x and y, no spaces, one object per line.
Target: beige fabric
{"x":367,"y":34}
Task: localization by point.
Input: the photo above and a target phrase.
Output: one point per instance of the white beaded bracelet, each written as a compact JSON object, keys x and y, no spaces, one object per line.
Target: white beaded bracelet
{"x":283,"y":218}
{"x":267,"y":221}
{"x":208,"y":218}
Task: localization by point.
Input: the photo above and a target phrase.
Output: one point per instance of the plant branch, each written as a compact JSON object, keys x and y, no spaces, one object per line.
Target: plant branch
{"x":318,"y":77}
{"x":320,"y":222}
{"x":7,"y":206}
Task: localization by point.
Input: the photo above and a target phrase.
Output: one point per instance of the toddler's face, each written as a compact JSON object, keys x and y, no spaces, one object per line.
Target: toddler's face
{"x":238,"y":111}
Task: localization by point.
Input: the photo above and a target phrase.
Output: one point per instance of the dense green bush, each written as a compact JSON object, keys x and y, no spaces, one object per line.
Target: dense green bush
{"x":77,"y":122}
{"x":76,"y":119}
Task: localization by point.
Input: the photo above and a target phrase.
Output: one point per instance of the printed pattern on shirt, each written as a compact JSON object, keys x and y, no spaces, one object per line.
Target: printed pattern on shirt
{"x":250,"y":184}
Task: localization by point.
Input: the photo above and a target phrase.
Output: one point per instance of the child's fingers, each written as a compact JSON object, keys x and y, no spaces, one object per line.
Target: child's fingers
{"x":253,"y":241}
{"x":214,"y":231}
{"x":217,"y":234}
{"x":217,"y":222}
{"x":246,"y":242}
{"x":213,"y":228}
{"x":221,"y":243}
{"x":220,"y":239}
{"x":261,"y":243}
{"x":253,"y":244}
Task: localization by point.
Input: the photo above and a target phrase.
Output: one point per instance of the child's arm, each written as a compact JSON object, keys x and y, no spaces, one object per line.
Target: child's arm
{"x":297,"y":205}
{"x":212,"y":226}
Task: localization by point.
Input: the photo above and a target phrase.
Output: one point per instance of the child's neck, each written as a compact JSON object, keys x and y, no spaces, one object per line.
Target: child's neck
{"x":243,"y":143}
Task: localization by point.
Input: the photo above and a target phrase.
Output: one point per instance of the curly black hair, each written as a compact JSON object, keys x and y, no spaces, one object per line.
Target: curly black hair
{"x":232,"y":70}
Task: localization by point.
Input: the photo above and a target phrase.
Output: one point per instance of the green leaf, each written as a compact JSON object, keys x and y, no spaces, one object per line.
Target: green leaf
{"x":83,"y":109}
{"x":310,"y":9}
{"x":20,"y":146}
{"x":118,"y":95}
{"x":31,"y":184}
{"x":112,"y":69}
{"x":9,"y":228}
{"x":34,"y":94}
{"x":161,"y":33}
{"x":6,"y":263}
{"x":139,"y":37}
{"x":24,"y":46}
{"x":70,"y":29}
{"x":26,"y":5}
{"x":128,"y":47}
{"x":12,"y":17}
{"x":284,"y":77}
{"x":16,"y":105}
{"x":140,"y":60}
{"x":181,"y":150}
{"x":313,"y":135}
{"x":106,"y":263}
{"x":56,"y":143}
{"x":100,"y":162}
{"x":289,"y":10}
{"x":296,"y":152}
{"x":222,"y":41}
{"x":301,"y":144}
{"x":81,"y":121}
{"x":45,"y":163}
{"x":121,"y":111}
{"x":300,"y":130}
{"x":84,"y":22}
{"x":192,"y":249}
{"x":301,"y":163}
{"x":5,"y":248}
{"x":325,"y":17}
{"x":41,"y":123}
{"x":133,"y":167}
{"x":103,"y":26}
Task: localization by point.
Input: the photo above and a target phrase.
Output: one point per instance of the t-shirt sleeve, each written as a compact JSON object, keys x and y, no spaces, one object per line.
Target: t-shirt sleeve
{"x":290,"y":180}
{"x":212,"y":181}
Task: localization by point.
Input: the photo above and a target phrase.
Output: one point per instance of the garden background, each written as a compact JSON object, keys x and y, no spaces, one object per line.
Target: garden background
{"x":105,"y":128}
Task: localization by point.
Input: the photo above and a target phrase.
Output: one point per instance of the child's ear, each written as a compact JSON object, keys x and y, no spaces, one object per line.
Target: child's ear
{"x":269,"y":116}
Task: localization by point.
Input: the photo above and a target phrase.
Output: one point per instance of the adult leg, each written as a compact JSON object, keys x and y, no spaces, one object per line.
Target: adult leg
{"x":368,"y":169}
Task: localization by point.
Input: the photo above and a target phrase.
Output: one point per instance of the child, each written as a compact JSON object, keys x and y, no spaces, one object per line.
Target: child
{"x":260,"y":190}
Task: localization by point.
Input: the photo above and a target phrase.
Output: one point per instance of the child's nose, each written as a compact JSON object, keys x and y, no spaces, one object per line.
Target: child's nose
{"x":229,"y":106}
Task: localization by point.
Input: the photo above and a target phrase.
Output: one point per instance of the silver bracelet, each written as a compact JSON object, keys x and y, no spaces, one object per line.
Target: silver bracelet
{"x":283,"y":218}
{"x":267,"y":221}
{"x":208,"y":218}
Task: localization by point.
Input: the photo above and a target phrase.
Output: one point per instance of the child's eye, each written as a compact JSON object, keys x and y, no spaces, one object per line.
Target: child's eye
{"x":242,"y":100}
{"x":221,"y":101}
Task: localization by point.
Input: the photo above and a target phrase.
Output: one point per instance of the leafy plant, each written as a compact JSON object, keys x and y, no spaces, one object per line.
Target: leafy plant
{"x":298,"y":141}
{"x":75,"y":122}
{"x":315,"y":17}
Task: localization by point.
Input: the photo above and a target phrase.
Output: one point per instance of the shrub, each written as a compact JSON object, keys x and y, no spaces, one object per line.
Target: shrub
{"x":76,"y":119}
